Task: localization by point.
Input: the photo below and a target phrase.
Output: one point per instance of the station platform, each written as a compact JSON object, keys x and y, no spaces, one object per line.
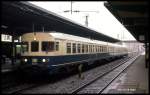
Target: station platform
{"x":134,"y":79}
{"x":8,"y":67}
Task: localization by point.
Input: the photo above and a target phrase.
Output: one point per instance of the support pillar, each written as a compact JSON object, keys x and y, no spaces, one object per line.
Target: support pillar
{"x":13,"y":49}
{"x":146,"y":55}
{"x":146,"y":50}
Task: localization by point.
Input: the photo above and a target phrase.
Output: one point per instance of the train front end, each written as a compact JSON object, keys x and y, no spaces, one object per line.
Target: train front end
{"x":35,"y":56}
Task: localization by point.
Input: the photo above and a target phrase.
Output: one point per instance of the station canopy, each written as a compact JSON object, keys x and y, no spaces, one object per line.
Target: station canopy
{"x":23,"y":17}
{"x":134,"y":15}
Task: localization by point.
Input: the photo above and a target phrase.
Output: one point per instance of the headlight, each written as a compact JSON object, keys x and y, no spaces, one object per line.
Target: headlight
{"x":43,"y":60}
{"x":25,"y":60}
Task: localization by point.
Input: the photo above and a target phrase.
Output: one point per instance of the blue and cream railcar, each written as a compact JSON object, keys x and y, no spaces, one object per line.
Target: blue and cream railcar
{"x":55,"y":50}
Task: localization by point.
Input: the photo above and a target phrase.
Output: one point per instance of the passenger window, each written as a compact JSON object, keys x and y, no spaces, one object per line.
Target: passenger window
{"x":102,"y":49}
{"x":79,"y":48}
{"x":47,"y":46}
{"x":35,"y":46}
{"x":83,"y":48}
{"x":110,"y":49}
{"x":24,"y":47}
{"x":93,"y":48}
{"x":74,"y":47}
{"x":96,"y":48}
{"x":89,"y":48}
{"x":68,"y":47}
{"x":57,"y":46}
{"x":86,"y":48}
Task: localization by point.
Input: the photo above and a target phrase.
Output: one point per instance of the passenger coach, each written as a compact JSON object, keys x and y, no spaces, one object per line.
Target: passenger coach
{"x":55,"y":50}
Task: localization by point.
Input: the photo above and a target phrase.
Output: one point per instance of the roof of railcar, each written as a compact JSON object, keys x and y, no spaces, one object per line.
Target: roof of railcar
{"x":80,"y":39}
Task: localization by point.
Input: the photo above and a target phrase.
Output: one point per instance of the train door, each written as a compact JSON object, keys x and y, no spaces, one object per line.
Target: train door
{"x":17,"y":52}
{"x":17,"y":49}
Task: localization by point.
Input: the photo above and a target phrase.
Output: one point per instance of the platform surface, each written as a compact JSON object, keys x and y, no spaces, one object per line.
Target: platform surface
{"x":8,"y":67}
{"x":133,"y":80}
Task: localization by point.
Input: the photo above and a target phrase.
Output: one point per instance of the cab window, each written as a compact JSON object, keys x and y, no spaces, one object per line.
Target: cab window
{"x":47,"y":46}
{"x":35,"y":46}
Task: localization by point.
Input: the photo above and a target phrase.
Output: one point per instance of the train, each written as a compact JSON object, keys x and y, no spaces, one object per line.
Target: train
{"x":54,"y":51}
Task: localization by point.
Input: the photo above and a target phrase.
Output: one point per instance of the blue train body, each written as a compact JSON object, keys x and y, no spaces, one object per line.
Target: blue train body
{"x":53,"y":63}
{"x":53,"y":51}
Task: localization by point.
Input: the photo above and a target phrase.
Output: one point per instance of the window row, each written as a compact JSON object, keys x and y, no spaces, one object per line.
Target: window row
{"x":47,"y":46}
{"x":84,"y":48}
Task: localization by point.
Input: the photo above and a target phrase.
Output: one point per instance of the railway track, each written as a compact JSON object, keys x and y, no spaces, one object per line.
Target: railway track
{"x":100,"y":83}
{"x":72,"y":84}
{"x":9,"y":79}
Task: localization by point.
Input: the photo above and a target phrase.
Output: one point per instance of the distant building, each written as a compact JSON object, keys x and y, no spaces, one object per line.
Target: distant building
{"x":134,"y":46}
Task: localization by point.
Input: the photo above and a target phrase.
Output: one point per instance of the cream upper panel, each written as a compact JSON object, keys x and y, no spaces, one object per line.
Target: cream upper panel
{"x":75,"y":38}
{"x":39,"y":37}
{"x":45,"y":36}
